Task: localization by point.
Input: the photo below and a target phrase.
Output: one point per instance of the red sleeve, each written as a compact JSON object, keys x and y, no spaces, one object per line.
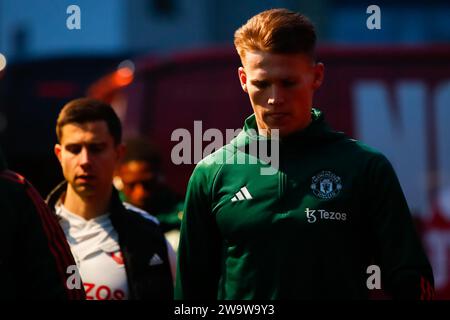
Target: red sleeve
{"x":41,"y":226}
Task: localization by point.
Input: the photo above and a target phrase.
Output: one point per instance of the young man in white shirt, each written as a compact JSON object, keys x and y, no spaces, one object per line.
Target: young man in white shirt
{"x":120,"y":250}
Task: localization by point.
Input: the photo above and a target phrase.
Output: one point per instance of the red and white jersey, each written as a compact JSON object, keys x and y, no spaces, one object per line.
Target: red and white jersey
{"x":94,"y":245}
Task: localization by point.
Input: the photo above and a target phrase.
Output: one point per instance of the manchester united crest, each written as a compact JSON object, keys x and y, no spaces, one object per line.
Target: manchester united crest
{"x":326,"y":185}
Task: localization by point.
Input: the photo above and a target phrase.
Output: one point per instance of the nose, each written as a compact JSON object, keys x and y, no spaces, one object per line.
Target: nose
{"x":139,"y":194}
{"x":84,"y":157}
{"x":276,"y":96}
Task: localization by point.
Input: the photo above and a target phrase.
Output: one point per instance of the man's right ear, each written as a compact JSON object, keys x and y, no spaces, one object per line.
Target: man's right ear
{"x":243,"y":78}
{"x":57,"y":149}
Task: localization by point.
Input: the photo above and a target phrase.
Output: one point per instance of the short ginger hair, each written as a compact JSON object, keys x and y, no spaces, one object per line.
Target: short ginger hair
{"x":276,"y":31}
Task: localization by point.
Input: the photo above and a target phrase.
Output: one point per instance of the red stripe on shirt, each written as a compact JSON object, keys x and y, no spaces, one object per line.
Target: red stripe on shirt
{"x":431,"y":290}
{"x":56,"y":240}
{"x":427,"y":290}
{"x":12,"y":176}
{"x":55,"y":237}
{"x":422,"y":289}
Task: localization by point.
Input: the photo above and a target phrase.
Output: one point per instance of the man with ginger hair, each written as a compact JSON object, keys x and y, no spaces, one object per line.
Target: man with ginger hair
{"x":333,"y":209}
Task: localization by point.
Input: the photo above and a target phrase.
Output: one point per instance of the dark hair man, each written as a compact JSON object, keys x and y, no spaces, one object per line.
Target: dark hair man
{"x":120,"y":250}
{"x":141,"y":182}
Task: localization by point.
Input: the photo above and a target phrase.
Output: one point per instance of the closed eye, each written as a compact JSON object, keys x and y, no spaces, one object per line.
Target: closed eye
{"x":97,"y":147}
{"x":289,"y":83}
{"x":260,"y":84}
{"x":74,"y":148}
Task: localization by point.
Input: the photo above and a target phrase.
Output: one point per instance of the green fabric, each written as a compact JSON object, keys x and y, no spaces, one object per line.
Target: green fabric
{"x":171,"y":219}
{"x":168,"y":209}
{"x":265,"y":248}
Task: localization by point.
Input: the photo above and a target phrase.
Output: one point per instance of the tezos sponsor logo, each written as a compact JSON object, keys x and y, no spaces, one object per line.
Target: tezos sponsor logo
{"x":312,"y":215}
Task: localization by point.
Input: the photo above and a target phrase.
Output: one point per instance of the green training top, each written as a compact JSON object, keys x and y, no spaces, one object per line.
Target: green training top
{"x":332,"y":208}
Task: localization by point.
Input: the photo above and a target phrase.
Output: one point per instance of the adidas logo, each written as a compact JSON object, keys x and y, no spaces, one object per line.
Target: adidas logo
{"x":155,"y":260}
{"x":243,"y":194}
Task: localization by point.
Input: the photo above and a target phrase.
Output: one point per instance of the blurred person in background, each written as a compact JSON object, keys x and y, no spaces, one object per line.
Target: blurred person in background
{"x":120,"y":250}
{"x":140,"y":179}
{"x":332,"y":209}
{"x":35,"y":259}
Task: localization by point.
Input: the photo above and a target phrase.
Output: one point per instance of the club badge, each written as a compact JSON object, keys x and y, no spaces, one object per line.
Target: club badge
{"x":326,"y":185}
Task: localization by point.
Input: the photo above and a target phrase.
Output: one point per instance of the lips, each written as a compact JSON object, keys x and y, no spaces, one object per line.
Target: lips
{"x":85,"y":177}
{"x":277,"y":116}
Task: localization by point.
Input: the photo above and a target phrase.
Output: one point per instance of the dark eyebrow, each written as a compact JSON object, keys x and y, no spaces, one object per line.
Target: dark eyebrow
{"x":257,"y":82}
{"x":89,"y":144}
{"x":73,"y":144}
{"x":96,"y":143}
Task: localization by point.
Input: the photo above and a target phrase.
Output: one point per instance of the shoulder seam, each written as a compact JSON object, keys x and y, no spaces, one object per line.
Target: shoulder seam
{"x":213,"y":184}
{"x":144,"y":214}
{"x":13,"y":176}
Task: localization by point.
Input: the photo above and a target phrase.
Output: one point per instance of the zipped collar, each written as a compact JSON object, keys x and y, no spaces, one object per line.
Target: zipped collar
{"x":317,"y":131}
{"x":115,"y":205}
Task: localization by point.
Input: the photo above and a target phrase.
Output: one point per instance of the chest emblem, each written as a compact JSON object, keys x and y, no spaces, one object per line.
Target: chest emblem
{"x":326,"y":185}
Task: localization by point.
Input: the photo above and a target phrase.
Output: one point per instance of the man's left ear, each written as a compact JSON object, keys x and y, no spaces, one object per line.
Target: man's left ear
{"x":319,"y":69}
{"x":243,"y":78}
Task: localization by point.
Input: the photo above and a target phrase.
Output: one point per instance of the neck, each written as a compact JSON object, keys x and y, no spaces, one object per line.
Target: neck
{"x":88,"y":207}
{"x":269,"y":133}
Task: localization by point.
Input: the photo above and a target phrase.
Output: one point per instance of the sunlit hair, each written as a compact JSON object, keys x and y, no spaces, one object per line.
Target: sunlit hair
{"x":84,"y":110}
{"x":276,"y":31}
